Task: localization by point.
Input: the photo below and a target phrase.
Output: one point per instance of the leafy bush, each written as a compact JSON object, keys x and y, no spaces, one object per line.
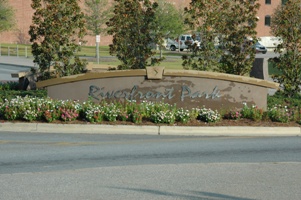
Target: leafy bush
{"x":208,"y":115}
{"x":163,"y":113}
{"x":50,"y":110}
{"x":93,"y":113}
{"x":280,"y":113}
{"x":54,"y":27}
{"x":11,"y":94}
{"x":11,"y":85}
{"x":233,"y":114}
{"x":216,"y":22}
{"x":69,"y":110}
{"x":280,"y":98}
{"x":183,"y":115}
{"x":111,"y":111}
{"x":21,"y":108}
{"x":252,"y":112}
{"x":163,"y":117}
{"x":286,"y":25}
{"x":134,"y":27}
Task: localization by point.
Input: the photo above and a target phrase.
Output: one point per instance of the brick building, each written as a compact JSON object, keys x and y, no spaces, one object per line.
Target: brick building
{"x":24,"y":13}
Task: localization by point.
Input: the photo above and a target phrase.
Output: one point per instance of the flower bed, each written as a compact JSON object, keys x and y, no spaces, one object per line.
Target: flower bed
{"x":49,"y":110}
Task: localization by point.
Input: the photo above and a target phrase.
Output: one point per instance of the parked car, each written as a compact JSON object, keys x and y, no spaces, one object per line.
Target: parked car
{"x":260,"y":48}
{"x":184,"y":40}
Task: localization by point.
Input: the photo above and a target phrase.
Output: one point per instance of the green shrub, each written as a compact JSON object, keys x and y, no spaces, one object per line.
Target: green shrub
{"x":183,"y":115}
{"x":208,"y":115}
{"x":279,"y":98}
{"x":280,"y":114}
{"x":254,"y":113}
{"x":11,"y":94}
{"x":92,"y":112}
{"x":233,"y":114}
{"x":11,"y":85}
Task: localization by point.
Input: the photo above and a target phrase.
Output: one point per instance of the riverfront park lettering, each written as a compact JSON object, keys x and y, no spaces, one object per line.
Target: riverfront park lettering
{"x":99,"y":93}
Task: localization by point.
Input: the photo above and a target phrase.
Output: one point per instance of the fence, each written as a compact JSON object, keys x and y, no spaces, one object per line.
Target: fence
{"x":15,"y":50}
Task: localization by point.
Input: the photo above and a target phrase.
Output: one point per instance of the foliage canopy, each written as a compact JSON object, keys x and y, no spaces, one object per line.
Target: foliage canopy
{"x":57,"y":30}
{"x":97,"y":13}
{"x":285,"y":24}
{"x":170,"y":19}
{"x":134,"y":29}
{"x":226,"y":29}
{"x":7,"y":16}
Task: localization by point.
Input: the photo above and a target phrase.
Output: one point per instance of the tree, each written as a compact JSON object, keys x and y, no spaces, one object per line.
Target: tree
{"x":134,"y":29}
{"x":240,"y":35}
{"x":286,"y":24}
{"x":170,"y":19}
{"x":225,"y":28}
{"x":97,"y":13}
{"x":204,"y":16}
{"x":7,"y":16}
{"x":56,"y":34}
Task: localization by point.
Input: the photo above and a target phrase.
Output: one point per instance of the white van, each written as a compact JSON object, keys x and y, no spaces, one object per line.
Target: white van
{"x":184,"y":41}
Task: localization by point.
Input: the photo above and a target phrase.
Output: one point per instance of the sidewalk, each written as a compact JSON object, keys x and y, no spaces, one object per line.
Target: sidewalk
{"x":241,"y":131}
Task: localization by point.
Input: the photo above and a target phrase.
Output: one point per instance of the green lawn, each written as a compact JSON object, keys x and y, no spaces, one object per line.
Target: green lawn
{"x":166,"y":63}
{"x":273,"y":70}
{"x":13,"y":49}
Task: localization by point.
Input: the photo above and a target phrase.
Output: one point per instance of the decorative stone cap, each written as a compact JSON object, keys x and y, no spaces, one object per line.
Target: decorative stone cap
{"x":159,"y":75}
{"x":154,"y":72}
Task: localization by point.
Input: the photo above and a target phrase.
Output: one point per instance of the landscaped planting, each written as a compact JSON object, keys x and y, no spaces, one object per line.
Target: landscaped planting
{"x":252,"y":112}
{"x":208,"y":115}
{"x":49,"y":110}
{"x":280,"y":113}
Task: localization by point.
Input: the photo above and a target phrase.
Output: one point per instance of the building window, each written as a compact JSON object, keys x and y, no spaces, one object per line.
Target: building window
{"x":268,"y":1}
{"x":283,"y":2}
{"x":267,"y":20}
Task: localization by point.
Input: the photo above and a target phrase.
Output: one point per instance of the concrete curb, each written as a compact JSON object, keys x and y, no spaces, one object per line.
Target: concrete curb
{"x":150,"y":130}
{"x":77,"y":128}
{"x":231,"y":131}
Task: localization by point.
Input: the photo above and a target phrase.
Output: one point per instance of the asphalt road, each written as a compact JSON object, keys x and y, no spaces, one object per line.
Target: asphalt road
{"x":7,"y":70}
{"x":83,"y":166}
{"x":13,"y":64}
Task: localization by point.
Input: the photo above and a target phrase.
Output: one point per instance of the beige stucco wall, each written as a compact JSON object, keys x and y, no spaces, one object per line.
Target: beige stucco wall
{"x":189,"y":89}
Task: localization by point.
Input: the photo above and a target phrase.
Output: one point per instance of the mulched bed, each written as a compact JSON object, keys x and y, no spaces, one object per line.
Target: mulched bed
{"x":224,"y":122}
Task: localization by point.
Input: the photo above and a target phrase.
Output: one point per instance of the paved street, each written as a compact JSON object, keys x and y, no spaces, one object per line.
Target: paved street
{"x":13,"y":64}
{"x":84,"y":166}
{"x":14,"y":60}
{"x":7,"y":70}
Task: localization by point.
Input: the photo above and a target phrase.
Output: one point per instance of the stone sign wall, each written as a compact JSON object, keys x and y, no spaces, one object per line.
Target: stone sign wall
{"x":188,"y":89}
